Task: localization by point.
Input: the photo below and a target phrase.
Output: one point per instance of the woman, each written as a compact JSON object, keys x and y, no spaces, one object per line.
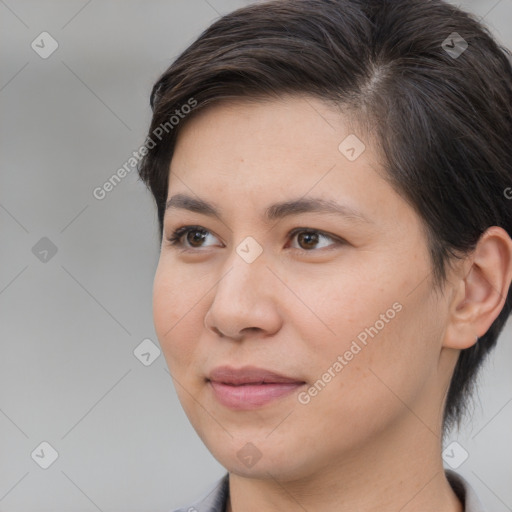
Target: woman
{"x":331,"y":182}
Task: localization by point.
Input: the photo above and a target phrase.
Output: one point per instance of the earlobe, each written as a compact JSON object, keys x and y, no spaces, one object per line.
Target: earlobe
{"x":483,"y":286}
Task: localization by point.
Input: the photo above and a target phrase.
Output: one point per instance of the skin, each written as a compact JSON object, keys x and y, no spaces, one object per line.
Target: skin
{"x":377,"y":421}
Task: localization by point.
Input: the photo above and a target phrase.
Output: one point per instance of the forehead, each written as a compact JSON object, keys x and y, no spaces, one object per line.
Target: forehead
{"x":256,"y":151}
{"x":278,"y":135}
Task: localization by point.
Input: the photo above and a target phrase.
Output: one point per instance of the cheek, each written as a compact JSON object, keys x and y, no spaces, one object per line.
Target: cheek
{"x":359,"y":396}
{"x":350,"y":306}
{"x":376,"y":330}
{"x":175,"y":316}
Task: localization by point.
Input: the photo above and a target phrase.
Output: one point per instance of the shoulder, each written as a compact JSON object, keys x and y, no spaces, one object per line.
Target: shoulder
{"x":464,"y":491}
{"x":214,"y":501}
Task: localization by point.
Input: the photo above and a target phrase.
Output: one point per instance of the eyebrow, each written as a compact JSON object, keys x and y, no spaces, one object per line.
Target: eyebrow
{"x":273,"y":212}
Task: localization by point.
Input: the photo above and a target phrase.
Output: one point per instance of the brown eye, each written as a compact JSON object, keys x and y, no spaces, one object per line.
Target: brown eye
{"x":194,"y":236}
{"x":309,"y":239}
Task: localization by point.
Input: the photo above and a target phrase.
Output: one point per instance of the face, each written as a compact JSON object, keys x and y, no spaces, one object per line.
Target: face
{"x":340,"y":302}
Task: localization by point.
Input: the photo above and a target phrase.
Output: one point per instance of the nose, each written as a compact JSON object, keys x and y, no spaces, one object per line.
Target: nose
{"x":245,"y":300}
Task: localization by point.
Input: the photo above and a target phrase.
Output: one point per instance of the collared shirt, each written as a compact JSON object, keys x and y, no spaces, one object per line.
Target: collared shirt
{"x":216,"y":500}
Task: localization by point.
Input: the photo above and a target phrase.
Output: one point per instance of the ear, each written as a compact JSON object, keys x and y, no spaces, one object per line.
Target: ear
{"x":480,"y":290}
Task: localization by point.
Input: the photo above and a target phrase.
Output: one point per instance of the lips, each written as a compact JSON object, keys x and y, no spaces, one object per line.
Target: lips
{"x":249,"y":375}
{"x":249,"y":387}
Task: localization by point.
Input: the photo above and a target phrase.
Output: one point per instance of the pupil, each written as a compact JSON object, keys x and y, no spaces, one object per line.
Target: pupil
{"x":197,"y":239}
{"x":313,"y":235}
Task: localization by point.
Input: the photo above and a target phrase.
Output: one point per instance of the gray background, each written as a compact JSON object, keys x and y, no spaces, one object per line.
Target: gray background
{"x":69,"y":326}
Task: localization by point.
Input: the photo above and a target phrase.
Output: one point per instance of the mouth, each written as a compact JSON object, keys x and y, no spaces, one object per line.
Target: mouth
{"x":249,"y":375}
{"x":250,"y":387}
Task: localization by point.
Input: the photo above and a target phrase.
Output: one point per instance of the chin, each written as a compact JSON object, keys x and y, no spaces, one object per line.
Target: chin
{"x":269,"y":462}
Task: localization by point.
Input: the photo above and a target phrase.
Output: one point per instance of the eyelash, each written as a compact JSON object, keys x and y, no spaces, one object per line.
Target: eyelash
{"x":179,"y":233}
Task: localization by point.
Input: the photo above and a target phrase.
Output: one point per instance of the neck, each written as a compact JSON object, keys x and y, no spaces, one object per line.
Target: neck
{"x":395,"y":473}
